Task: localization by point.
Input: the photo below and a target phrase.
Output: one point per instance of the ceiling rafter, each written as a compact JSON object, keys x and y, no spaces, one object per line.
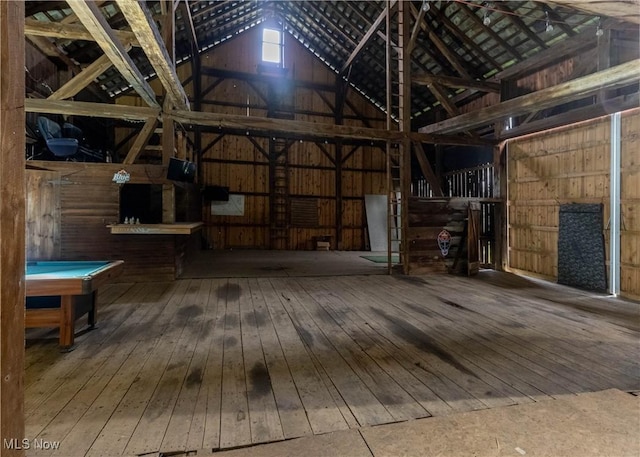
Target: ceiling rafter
{"x":476,"y":20}
{"x":439,"y":16}
{"x":330,"y":23}
{"x":451,"y":81}
{"x":366,"y":37}
{"x":90,"y":15}
{"x":519,"y":23}
{"x":146,"y":30}
{"x":82,"y":79}
{"x":451,"y":57}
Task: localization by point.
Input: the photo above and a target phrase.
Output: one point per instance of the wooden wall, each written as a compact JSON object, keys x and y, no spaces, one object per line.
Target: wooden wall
{"x":630,"y":201}
{"x":571,"y":165}
{"x":69,"y":208}
{"x":239,"y":161}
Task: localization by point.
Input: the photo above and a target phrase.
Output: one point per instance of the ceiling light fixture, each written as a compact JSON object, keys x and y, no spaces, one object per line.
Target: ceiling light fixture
{"x":425,"y":6}
{"x":486,"y":20}
{"x":599,"y":31}
{"x":549,"y":25}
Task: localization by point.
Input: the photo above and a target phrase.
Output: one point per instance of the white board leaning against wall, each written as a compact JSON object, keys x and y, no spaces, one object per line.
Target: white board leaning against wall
{"x":233,"y":207}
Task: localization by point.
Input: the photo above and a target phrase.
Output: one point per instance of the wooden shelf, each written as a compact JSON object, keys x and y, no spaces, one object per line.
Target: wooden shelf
{"x":179,"y":228}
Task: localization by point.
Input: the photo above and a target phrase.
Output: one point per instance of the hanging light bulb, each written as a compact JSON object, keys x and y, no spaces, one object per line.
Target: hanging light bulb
{"x":486,"y":20}
{"x":549,"y":25}
{"x":599,"y":31}
{"x":425,"y":6}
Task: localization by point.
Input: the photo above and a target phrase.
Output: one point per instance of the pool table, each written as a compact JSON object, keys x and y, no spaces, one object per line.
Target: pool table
{"x":66,"y":290}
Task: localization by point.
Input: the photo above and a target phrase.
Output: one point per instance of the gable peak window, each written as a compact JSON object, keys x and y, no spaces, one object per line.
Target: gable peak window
{"x":272,"y":46}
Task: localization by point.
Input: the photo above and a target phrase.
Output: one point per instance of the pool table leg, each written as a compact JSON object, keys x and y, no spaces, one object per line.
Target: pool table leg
{"x":92,"y":315}
{"x":67,"y":320}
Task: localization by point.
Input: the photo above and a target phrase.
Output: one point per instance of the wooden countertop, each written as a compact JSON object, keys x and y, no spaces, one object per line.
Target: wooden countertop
{"x":178,"y":228}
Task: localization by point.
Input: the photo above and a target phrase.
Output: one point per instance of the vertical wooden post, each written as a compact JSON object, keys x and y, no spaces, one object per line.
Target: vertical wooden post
{"x":389,"y":106}
{"x":168,"y":128}
{"x":338,"y":180}
{"x":196,"y":78}
{"x":340,"y":95}
{"x":501,"y":247}
{"x":12,"y":225}
{"x":404,"y":87}
{"x":168,"y":190}
{"x":607,"y":57}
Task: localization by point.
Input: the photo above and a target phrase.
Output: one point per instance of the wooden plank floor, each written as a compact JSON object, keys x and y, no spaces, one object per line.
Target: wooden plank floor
{"x":227,"y":362}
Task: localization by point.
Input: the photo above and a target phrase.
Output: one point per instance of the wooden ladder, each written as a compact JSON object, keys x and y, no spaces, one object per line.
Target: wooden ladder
{"x":394,"y":206}
{"x":279,"y":193}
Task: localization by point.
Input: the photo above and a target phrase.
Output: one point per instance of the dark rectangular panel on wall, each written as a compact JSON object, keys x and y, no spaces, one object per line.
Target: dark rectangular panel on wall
{"x":581,"y":253}
{"x":304,"y":212}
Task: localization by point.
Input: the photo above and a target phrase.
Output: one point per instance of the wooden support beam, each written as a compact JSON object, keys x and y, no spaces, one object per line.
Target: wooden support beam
{"x":602,"y":108}
{"x":33,"y":27}
{"x":326,"y":100}
{"x":348,"y":155}
{"x":193,"y":36}
{"x":624,"y":10}
{"x":146,"y":30}
{"x":257,"y":145}
{"x":141,"y":140}
{"x":611,"y":78}
{"x":427,"y":170}
{"x":500,"y":228}
{"x":82,"y":79}
{"x":452,"y":81}
{"x":168,"y":151}
{"x":12,"y":226}
{"x":416,"y":30}
{"x":73,"y":18}
{"x":106,"y":110}
{"x":367,"y":36}
{"x":312,"y":129}
{"x":339,"y":196}
{"x":404,"y":124}
{"x":442,"y":97}
{"x":213,"y":142}
{"x":90,"y":15}
{"x":326,"y":152}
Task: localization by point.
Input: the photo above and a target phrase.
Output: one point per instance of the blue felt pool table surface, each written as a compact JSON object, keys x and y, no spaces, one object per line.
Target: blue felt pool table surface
{"x":64,"y":269}
{"x":68,"y":277}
